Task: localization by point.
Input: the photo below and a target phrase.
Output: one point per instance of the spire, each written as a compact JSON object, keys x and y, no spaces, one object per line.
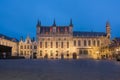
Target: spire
{"x":107,"y":24}
{"x":54,"y":23}
{"x":38,"y":23}
{"x":71,"y":22}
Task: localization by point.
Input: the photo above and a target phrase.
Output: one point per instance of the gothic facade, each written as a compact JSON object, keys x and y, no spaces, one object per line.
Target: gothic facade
{"x":58,"y":42}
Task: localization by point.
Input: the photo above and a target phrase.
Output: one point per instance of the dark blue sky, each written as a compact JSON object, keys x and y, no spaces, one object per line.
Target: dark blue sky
{"x":19,"y":17}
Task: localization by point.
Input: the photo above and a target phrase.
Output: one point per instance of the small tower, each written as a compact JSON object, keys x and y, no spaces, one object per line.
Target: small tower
{"x":54,"y":23}
{"x":108,"y":31}
{"x":54,"y":26}
{"x":71,"y":26}
{"x":38,"y":30}
{"x":38,"y":26}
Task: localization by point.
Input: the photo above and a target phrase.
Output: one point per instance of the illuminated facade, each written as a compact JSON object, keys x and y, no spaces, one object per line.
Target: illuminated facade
{"x":62,"y":42}
{"x":10,"y":42}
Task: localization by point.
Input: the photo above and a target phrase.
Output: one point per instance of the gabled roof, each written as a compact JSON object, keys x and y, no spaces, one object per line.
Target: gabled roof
{"x":8,"y":38}
{"x":88,"y":34}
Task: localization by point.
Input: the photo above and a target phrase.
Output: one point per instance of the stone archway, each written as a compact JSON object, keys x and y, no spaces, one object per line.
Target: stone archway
{"x":74,"y":55}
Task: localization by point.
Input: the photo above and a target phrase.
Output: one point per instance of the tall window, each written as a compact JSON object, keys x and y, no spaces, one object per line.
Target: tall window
{"x":79,"y":43}
{"x":89,"y":43}
{"x":40,"y":53}
{"x":56,"y":44}
{"x":85,"y":43}
{"x":40,"y":44}
{"x":67,"y":44}
{"x":74,"y":42}
{"x":61,"y":44}
{"x":94,"y":43}
{"x":98,"y":43}
{"x":51,"y":44}
{"x":45,"y":44}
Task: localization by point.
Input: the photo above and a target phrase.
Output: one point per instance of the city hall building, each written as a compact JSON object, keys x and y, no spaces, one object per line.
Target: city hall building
{"x":61,"y":42}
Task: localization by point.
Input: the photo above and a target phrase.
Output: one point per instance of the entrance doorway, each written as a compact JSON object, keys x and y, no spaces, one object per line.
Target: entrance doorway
{"x":34,"y":55}
{"x":46,"y":56}
{"x":62,"y":56}
{"x":74,"y":56}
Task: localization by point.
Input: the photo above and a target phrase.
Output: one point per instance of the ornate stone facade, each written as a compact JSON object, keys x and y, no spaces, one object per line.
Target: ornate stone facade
{"x":62,"y":42}
{"x":27,"y":48}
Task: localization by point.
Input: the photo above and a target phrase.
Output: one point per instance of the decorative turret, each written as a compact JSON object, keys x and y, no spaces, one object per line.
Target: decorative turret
{"x":71,"y":23}
{"x":38,"y":27}
{"x":38,"y":24}
{"x":108,"y":29}
{"x":54,"y":23}
{"x":71,"y":26}
{"x":54,"y":26}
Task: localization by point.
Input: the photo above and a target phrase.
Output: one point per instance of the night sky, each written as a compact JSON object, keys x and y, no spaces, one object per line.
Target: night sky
{"x":19,"y":17}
